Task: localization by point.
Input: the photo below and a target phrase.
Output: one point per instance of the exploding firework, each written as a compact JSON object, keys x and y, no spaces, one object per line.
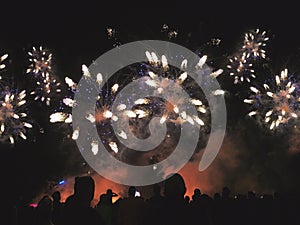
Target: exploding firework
{"x":13,"y":117}
{"x":160,"y":78}
{"x":277,"y":104}
{"x":64,"y":113}
{"x":172,"y":33}
{"x":241,"y":69}
{"x":112,"y":35}
{"x":45,"y":84}
{"x":254,"y":43}
{"x":40,"y":62}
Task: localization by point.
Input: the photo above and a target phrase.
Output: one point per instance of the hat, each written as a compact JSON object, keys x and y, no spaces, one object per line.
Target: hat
{"x":111,"y":193}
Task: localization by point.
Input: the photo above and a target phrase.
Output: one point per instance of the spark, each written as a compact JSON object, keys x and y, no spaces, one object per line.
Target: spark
{"x":85,"y":71}
{"x":75,"y":134}
{"x":58,"y":117}
{"x":71,"y":84}
{"x":216,"y":73}
{"x":2,"y":58}
{"x":94,"y":147}
{"x":201,"y":62}
{"x":114,"y":146}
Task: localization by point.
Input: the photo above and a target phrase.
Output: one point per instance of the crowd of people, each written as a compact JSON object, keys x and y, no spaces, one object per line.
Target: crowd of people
{"x":168,"y":206}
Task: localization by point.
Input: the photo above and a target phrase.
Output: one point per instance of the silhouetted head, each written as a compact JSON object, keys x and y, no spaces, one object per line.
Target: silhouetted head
{"x":104,"y":199}
{"x":217,"y":196}
{"x":187,"y":199}
{"x":110,"y":193}
{"x":225,"y":192}
{"x":84,"y":188}
{"x":197,"y":192}
{"x":131,"y":191}
{"x":56,"y":196}
{"x":175,"y":186}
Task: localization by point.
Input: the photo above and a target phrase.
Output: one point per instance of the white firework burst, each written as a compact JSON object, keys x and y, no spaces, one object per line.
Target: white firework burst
{"x":13,"y":117}
{"x":254,"y":43}
{"x":276,"y":103}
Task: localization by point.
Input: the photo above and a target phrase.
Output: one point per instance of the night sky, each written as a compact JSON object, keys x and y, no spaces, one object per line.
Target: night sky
{"x":76,"y":34}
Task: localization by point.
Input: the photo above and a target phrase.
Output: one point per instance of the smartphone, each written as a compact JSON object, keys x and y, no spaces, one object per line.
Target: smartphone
{"x":137,"y":194}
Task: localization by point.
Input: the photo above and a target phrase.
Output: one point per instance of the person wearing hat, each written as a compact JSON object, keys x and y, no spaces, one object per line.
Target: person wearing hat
{"x":110,"y":194}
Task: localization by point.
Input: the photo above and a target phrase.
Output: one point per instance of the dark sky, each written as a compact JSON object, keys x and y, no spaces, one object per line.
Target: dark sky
{"x":76,"y":33}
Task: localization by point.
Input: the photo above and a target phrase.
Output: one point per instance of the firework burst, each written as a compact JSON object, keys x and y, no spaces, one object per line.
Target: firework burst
{"x":13,"y":117}
{"x":241,"y":69}
{"x":254,"y":43}
{"x":40,"y":62}
{"x":159,"y":76}
{"x":277,"y":104}
{"x":63,"y":114}
{"x":45,"y":84}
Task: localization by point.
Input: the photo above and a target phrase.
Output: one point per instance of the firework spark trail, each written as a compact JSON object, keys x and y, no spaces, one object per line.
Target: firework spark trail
{"x":277,"y":103}
{"x":2,"y":66}
{"x":13,"y":117}
{"x":45,"y":84}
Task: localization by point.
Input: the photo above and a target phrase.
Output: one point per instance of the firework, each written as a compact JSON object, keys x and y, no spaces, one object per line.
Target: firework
{"x":159,"y":78}
{"x":117,"y":116}
{"x":112,"y":34}
{"x":13,"y":116}
{"x":254,"y":43}
{"x":2,"y":58}
{"x":64,"y":113}
{"x":241,"y":69}
{"x":277,"y":103}
{"x":2,"y":66}
{"x":45,"y":84}
{"x":171,"y":33}
{"x":40,"y":60}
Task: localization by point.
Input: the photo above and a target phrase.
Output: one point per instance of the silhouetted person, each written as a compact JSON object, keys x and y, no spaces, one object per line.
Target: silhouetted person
{"x":57,"y":208}
{"x":155,"y":204}
{"x":225,"y":193}
{"x":187,"y":199}
{"x":226,"y":214}
{"x":175,"y":207}
{"x":110,"y":194}
{"x":131,"y":210}
{"x":157,"y":198}
{"x":196,"y":196}
{"x":43,"y":211}
{"x":217,"y":196}
{"x":105,"y":208}
{"x":77,"y":208}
